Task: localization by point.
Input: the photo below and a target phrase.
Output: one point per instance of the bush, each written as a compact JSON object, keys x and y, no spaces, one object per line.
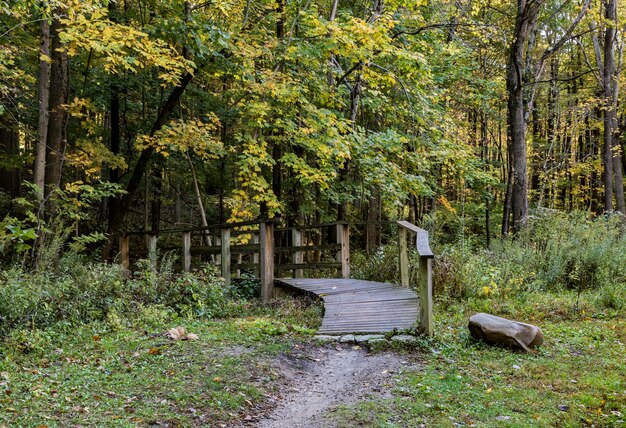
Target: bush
{"x":81,"y":292}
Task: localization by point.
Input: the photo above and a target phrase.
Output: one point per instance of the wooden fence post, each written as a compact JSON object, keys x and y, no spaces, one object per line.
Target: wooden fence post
{"x":225,"y":255}
{"x":151,"y":243}
{"x":186,"y":251}
{"x":267,"y":260}
{"x":403,"y":256}
{"x":125,"y":251}
{"x":218,"y":242}
{"x":255,"y":255}
{"x":343,"y":254}
{"x":426,"y":294}
{"x":298,"y":256}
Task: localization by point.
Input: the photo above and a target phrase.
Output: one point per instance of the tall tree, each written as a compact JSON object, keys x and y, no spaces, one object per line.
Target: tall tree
{"x":39,"y":168}
{"x":524,"y":70}
{"x":56,"y":139}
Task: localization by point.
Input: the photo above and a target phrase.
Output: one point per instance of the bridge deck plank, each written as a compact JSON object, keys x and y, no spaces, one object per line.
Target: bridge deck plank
{"x":357,"y":306}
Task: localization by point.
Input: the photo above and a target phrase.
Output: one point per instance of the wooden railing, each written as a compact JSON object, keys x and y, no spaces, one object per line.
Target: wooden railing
{"x":267,"y":245}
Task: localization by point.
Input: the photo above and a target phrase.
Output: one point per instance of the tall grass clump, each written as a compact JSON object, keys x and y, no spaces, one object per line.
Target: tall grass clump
{"x":555,"y":253}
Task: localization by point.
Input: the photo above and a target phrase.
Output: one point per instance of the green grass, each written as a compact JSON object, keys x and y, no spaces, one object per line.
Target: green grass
{"x":576,"y":379}
{"x":95,"y":375}
{"x":122,"y":371}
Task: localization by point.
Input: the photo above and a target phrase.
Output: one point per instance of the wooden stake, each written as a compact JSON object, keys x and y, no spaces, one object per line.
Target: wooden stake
{"x":404,"y":256}
{"x":298,"y":256}
{"x":267,"y":261}
{"x":343,"y":254}
{"x":426,"y":295}
{"x":186,"y":251}
{"x":225,"y":256}
{"x":151,"y":243}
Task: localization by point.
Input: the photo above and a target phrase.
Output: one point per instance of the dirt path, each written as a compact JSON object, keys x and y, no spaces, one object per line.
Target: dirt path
{"x":317,"y":380}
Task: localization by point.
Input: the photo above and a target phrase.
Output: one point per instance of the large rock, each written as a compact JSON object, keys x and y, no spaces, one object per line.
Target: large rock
{"x":501,"y":331}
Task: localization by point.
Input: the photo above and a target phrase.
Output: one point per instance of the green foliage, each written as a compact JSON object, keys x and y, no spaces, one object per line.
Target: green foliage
{"x":82,"y":291}
{"x":58,"y":231}
{"x":199,"y":294}
{"x":381,"y":266}
{"x":555,"y":252}
{"x":246,"y":287}
{"x":15,"y":238}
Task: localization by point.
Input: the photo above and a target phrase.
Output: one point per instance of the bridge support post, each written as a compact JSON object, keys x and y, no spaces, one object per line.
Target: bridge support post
{"x":267,"y":260}
{"x":343,"y":254}
{"x":225,"y":255}
{"x":125,"y":251}
{"x":298,"y":256}
{"x":404,"y":256}
{"x":151,"y":243}
{"x":186,"y":251}
{"x":426,"y":294}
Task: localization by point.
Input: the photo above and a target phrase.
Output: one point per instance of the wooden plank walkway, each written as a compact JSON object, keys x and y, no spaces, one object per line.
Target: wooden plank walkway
{"x":357,"y":306}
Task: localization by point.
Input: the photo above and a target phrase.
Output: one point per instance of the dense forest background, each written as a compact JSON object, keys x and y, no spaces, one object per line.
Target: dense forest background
{"x":143,"y":115}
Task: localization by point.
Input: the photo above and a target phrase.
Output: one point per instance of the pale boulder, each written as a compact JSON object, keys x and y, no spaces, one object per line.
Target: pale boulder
{"x":503,"y":332}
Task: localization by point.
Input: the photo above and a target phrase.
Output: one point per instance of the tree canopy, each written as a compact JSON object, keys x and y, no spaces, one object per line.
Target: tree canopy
{"x":152,"y":112}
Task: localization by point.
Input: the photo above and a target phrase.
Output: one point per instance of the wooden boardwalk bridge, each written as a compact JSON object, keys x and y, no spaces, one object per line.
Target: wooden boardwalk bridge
{"x":267,"y":251}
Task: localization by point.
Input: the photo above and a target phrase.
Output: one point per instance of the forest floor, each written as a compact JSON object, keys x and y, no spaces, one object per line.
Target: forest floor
{"x":261,"y":368}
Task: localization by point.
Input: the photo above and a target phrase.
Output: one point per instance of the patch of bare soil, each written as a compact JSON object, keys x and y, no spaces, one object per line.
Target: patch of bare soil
{"x":316,"y":380}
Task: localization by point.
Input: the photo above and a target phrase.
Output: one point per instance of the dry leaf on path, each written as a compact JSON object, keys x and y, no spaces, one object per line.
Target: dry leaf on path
{"x":179,"y":333}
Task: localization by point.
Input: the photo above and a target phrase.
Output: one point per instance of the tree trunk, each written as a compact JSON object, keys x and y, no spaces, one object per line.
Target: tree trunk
{"x":205,"y":223}
{"x":609,"y":112}
{"x":39,"y":168}
{"x":59,"y":85}
{"x":517,"y":67}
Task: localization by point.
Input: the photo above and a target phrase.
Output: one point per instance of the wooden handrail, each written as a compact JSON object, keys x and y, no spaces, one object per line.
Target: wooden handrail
{"x":421,"y":242}
{"x":217,"y":226}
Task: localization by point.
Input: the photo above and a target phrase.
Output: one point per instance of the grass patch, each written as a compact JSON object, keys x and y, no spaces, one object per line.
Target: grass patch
{"x":95,"y":375}
{"x":576,"y":379}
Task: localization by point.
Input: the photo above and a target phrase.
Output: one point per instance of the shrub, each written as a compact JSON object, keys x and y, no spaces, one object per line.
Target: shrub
{"x":81,"y":292}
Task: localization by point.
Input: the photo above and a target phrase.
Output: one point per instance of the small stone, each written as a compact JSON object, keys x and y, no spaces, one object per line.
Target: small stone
{"x":563,"y":407}
{"x":404,"y":338}
{"x":503,"y":418}
{"x":326,"y":339}
{"x":367,"y":337}
{"x":348,"y":338}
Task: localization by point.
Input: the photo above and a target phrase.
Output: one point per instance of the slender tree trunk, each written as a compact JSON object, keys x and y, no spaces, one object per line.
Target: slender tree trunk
{"x":371,"y":228}
{"x":57,"y":124}
{"x":157,"y":190}
{"x":39,"y":168}
{"x":609,"y":112}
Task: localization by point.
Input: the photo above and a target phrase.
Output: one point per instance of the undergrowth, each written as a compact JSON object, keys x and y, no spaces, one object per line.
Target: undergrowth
{"x":82,"y":291}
